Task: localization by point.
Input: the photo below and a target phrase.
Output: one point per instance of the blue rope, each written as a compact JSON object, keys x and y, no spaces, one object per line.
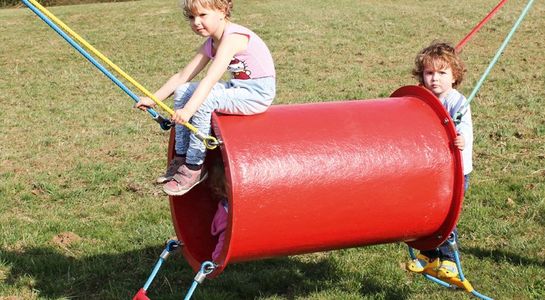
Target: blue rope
{"x":479,"y":295}
{"x":165,"y":123}
{"x":172,"y":245}
{"x":207,"y":267}
{"x":452,"y":243}
{"x":438,"y":281}
{"x":496,"y":58}
{"x":191,"y":290}
{"x":153,"y":273}
{"x":461,"y":273}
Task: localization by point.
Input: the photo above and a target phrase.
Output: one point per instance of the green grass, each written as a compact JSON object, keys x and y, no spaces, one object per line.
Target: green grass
{"x":77,"y":163}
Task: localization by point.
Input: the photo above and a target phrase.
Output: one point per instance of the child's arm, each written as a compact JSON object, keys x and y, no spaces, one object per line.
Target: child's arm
{"x":186,"y":74}
{"x":227,"y":49}
{"x":199,"y":61}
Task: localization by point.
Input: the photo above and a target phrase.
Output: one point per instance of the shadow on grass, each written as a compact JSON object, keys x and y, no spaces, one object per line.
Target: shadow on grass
{"x":383,"y":289}
{"x":119,"y":276}
{"x":505,"y":256}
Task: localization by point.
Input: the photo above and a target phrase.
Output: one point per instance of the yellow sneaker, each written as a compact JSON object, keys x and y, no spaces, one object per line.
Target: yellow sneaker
{"x":422,"y":263}
{"x":448,"y":269}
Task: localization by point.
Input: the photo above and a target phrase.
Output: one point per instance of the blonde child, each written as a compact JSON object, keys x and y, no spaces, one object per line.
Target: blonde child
{"x":439,"y":69}
{"x":228,"y":47}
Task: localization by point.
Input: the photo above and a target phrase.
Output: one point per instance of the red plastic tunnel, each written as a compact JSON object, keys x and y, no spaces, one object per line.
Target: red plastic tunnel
{"x":321,"y":176}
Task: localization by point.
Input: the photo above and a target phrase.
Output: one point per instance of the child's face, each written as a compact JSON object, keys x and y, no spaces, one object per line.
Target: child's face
{"x":207,"y":22}
{"x":438,"y":80}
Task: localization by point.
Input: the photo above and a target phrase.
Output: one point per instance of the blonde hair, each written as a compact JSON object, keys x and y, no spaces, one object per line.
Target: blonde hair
{"x":191,"y":7}
{"x":439,"y":55}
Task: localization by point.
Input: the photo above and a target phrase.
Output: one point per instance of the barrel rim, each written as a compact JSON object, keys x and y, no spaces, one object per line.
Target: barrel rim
{"x":442,"y":234}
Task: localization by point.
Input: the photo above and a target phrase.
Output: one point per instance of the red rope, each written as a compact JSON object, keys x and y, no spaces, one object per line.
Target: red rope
{"x":483,"y":21}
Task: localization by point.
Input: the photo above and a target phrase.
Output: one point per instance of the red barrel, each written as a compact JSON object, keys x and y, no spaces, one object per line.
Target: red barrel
{"x":330,"y":175}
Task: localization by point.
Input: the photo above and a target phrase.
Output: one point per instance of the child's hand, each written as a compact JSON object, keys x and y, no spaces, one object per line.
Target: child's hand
{"x":181,"y":116}
{"x":460,"y":142}
{"x":145,"y":103}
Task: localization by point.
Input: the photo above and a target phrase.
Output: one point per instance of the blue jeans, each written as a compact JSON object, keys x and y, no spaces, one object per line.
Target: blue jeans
{"x":234,"y":97}
{"x":445,"y":252}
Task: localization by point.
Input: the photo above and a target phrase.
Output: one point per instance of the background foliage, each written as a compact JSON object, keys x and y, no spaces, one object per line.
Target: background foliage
{"x":81,"y":219}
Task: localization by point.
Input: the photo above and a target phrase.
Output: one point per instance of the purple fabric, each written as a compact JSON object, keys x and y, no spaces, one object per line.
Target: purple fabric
{"x":219,"y":224}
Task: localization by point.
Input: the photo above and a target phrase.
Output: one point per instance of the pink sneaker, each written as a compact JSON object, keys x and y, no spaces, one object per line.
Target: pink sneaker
{"x":219,"y":224}
{"x":173,"y":166}
{"x":184,"y":180}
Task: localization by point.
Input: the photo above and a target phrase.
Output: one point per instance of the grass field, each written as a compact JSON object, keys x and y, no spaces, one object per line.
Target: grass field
{"x":81,"y":219}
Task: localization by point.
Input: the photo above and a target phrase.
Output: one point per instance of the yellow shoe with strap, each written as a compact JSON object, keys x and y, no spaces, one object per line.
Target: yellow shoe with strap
{"x":447,"y":270}
{"x":422,"y":263}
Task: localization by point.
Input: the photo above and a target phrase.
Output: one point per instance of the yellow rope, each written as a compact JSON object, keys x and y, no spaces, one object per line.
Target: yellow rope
{"x":209,"y":141}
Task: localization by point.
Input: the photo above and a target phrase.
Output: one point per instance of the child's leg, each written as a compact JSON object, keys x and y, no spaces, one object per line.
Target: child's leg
{"x":448,"y":268}
{"x":445,"y":250}
{"x":229,"y":98}
{"x":181,"y":96}
{"x":424,"y":261}
{"x":248,"y":97}
{"x":432,"y":254}
{"x":242,"y":98}
{"x":446,"y":265}
{"x":191,"y":173}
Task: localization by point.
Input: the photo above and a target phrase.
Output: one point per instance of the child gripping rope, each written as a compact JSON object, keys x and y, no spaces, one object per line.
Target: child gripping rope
{"x":439,"y":69}
{"x":228,"y":47}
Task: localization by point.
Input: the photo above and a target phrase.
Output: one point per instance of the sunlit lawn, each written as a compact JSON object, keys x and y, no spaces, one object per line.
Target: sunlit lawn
{"x":81,"y":219}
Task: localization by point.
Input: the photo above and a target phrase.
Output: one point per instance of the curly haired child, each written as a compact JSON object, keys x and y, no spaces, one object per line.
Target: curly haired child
{"x":439,"y":69}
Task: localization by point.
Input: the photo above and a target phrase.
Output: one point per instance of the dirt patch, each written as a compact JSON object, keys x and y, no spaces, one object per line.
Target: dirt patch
{"x":65,"y":239}
{"x":541,"y":254}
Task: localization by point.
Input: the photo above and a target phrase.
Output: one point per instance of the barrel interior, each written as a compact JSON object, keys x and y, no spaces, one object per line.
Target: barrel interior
{"x":192,"y":215}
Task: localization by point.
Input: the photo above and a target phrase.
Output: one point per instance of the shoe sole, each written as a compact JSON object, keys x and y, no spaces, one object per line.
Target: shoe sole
{"x":179,"y":193}
{"x":164,"y":179}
